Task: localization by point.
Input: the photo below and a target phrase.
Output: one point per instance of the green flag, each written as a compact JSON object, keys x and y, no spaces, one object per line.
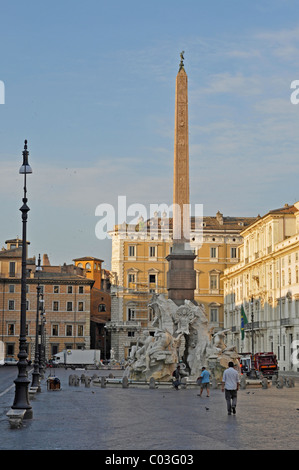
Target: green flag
{"x":243,"y":321}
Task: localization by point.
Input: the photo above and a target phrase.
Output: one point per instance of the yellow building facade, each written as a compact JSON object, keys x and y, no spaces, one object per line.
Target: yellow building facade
{"x":266,"y":283}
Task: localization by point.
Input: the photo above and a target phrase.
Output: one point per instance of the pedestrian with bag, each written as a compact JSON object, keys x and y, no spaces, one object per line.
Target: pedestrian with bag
{"x":230,"y":385}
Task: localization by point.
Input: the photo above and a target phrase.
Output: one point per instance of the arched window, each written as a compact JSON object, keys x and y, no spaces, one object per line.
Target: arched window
{"x":102,"y":308}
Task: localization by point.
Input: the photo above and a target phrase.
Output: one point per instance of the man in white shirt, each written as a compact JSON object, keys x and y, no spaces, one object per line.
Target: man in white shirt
{"x":230,"y":384}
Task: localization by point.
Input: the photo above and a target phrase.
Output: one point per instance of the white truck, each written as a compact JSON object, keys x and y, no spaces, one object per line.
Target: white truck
{"x":78,"y":357}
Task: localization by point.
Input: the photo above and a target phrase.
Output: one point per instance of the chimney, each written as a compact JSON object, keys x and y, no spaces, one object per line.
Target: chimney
{"x":46,"y":261}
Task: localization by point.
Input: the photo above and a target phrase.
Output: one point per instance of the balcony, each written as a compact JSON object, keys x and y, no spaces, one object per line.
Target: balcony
{"x":116,"y":325}
{"x":286,"y":322}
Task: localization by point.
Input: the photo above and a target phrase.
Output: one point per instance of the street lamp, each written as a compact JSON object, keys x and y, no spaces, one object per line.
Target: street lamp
{"x":252,"y":373}
{"x":21,"y":400}
{"x":35,"y":373}
{"x":42,"y":346}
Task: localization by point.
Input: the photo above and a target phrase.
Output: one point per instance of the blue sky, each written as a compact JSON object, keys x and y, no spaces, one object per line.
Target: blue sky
{"x":91,"y":86}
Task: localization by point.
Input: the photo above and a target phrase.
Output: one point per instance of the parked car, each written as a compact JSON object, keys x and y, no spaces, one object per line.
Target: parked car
{"x":10,"y":361}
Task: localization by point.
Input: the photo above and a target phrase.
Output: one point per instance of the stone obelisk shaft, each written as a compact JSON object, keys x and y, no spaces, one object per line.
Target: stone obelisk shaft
{"x":181,"y":277}
{"x":181,"y":216}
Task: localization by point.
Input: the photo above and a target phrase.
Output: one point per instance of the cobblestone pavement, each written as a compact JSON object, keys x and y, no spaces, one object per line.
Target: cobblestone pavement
{"x":116,"y":418}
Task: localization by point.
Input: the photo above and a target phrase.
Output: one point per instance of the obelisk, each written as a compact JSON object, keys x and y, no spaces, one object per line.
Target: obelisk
{"x":181,"y":276}
{"x":181,"y":218}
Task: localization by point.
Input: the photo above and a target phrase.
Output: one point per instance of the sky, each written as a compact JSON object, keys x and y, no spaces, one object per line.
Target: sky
{"x":91,"y":86}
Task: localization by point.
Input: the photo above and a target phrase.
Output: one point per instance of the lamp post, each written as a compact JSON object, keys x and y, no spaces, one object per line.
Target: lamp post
{"x":36,"y":373}
{"x":252,"y":374}
{"x":21,"y":400}
{"x":42,"y":345}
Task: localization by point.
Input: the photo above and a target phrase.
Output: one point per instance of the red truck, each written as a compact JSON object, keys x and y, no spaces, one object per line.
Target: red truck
{"x":265,"y":363}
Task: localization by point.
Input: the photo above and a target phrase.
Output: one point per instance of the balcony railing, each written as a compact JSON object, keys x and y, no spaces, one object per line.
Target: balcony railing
{"x":286,"y":321}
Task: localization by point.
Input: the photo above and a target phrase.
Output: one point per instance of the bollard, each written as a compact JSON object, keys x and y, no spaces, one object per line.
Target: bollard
{"x":274,"y":380}
{"x":214,"y":383}
{"x":243,"y":382}
{"x":184,"y":383}
{"x":288,"y":382}
{"x":87,"y":382}
{"x":103,"y":382}
{"x":125,"y":382}
{"x":76,"y":381}
{"x":152,"y":383}
{"x":264,"y":383}
{"x":280,"y":383}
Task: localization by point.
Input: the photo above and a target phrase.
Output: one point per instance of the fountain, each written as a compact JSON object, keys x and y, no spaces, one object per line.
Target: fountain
{"x":182,"y":335}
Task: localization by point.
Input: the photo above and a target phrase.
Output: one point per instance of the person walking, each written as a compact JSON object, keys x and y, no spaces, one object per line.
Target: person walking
{"x":230,"y":384}
{"x":205,"y":381}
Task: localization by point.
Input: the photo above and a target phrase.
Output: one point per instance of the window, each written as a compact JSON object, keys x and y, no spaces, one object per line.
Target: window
{"x":55,"y":330}
{"x":233,"y":252}
{"x":11,"y":305}
{"x":152,"y":278}
{"x":56,"y":289}
{"x":213,"y":252}
{"x":12,"y":269}
{"x":214,"y":315}
{"x":55,"y":306}
{"x":152,"y":251}
{"x":69,"y":289}
{"x":81,"y":289}
{"x":69,"y":330}
{"x":213,"y":281}
{"x":132,"y":250}
{"x":88,"y":266}
{"x":80,"y":330}
{"x":10,"y":349}
{"x":102,"y":308}
{"x":11,"y":288}
{"x":69,"y":306}
{"x":131,"y":333}
{"x":80,"y":306}
{"x":131,"y":277}
{"x":131,"y":314}
{"x":11,"y":329}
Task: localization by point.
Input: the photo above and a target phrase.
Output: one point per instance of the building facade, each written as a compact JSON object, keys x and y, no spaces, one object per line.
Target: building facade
{"x":100,"y":309}
{"x":66,"y":295}
{"x":266,"y":283}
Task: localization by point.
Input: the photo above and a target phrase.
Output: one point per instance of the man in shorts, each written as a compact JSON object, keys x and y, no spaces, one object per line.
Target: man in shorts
{"x":205,"y":381}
